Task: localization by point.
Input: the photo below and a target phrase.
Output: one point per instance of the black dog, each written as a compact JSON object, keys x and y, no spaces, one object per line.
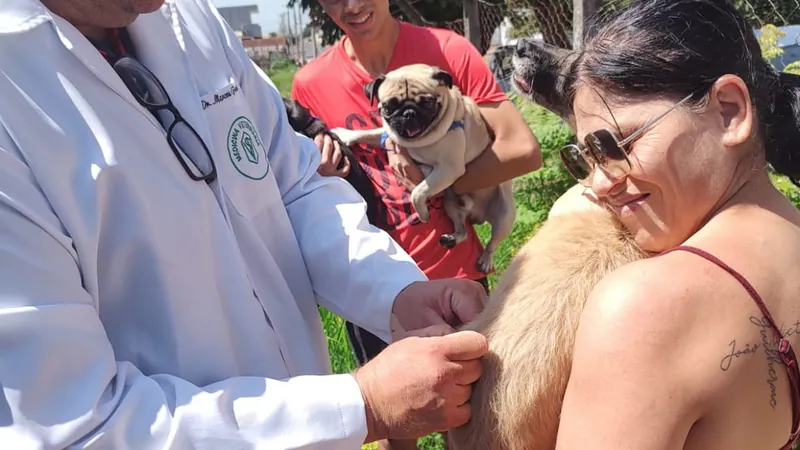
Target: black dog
{"x":303,"y":122}
{"x":540,"y":74}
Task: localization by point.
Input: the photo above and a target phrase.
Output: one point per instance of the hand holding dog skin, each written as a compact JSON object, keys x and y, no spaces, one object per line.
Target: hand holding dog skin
{"x":421,"y":385}
{"x":331,"y":156}
{"x":451,"y":301}
{"x":431,"y":331}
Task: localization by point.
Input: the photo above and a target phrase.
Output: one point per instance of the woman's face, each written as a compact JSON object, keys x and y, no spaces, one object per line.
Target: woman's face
{"x":682,"y":166}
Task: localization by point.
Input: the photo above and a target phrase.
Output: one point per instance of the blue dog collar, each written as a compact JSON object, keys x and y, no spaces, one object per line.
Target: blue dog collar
{"x":384,"y":137}
{"x":453,"y":126}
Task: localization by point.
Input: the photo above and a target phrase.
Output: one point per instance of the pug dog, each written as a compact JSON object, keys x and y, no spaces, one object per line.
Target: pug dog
{"x":301,"y":121}
{"x":442,"y":130}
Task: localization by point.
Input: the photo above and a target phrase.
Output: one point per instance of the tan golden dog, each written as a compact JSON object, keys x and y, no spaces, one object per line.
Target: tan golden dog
{"x":531,"y":321}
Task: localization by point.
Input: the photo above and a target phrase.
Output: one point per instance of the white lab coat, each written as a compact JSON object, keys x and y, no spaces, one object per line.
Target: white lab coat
{"x":142,"y":310}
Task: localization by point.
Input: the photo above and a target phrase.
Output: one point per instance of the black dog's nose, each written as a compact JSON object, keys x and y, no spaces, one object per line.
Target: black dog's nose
{"x":409,"y":114}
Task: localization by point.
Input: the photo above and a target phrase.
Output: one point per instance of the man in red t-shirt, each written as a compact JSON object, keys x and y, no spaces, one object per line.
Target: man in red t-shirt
{"x":332,"y":88}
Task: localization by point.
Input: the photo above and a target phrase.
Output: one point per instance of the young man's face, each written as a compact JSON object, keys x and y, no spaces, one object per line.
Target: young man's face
{"x":359,"y":19}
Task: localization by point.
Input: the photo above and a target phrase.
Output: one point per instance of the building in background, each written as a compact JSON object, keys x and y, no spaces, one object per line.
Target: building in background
{"x":265,"y":51}
{"x":240,"y":18}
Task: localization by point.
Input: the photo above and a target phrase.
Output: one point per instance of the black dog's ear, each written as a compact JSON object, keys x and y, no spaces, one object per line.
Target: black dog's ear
{"x":371,"y":89}
{"x":443,"y":77}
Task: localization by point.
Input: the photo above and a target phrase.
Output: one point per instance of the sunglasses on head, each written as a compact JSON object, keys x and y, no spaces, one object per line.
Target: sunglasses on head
{"x":605,"y":149}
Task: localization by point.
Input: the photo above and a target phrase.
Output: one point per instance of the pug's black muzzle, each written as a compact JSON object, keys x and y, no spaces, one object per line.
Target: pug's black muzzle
{"x":411,"y":120}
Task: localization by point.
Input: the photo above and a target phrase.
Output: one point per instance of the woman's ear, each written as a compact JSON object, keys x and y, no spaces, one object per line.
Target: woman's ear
{"x":732,"y":98}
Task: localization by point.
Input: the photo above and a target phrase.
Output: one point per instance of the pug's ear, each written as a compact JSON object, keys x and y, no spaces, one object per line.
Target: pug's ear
{"x":371,"y":89}
{"x":443,"y":77}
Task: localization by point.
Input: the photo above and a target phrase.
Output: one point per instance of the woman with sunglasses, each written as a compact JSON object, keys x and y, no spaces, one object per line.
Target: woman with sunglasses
{"x":678,"y":118}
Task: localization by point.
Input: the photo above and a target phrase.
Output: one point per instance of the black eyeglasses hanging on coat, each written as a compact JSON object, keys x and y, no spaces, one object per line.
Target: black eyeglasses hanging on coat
{"x":150,"y":93}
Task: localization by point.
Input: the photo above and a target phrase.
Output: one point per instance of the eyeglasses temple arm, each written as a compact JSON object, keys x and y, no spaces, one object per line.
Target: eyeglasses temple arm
{"x":652,"y":121}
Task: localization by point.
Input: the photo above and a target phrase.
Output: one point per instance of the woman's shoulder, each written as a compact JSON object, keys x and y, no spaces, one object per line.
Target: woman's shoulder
{"x":671,"y":287}
{"x":653,"y":298}
{"x":661,"y":316}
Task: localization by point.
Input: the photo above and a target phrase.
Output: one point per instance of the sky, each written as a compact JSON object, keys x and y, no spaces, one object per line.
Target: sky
{"x":269,"y":15}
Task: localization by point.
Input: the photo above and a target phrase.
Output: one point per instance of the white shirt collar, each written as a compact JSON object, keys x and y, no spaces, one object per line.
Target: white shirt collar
{"x":22,"y":15}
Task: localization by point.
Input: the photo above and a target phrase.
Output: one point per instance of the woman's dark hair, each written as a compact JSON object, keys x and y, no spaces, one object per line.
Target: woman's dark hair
{"x":679,"y":47}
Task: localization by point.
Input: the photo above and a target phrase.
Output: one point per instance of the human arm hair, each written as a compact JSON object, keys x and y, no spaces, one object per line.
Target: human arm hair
{"x":515,"y":150}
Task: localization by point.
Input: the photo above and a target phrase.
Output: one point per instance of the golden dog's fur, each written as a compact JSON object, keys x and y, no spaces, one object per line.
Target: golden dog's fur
{"x":530,"y":322}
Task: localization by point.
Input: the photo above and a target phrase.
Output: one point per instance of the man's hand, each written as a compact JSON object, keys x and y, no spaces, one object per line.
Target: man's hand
{"x":331,"y":156}
{"x":418,"y":386}
{"x":431,"y":331}
{"x":404,"y":168}
{"x":450,"y":302}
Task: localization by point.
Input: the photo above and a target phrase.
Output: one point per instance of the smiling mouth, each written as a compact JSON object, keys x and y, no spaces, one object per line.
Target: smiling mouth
{"x":360,"y":20}
{"x":632,"y":201}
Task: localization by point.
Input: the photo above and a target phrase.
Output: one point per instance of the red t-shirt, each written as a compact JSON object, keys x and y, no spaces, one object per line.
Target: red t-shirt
{"x":332,"y":88}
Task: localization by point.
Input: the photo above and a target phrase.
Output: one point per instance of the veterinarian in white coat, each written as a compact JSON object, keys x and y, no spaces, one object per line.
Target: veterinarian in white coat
{"x":142,"y":309}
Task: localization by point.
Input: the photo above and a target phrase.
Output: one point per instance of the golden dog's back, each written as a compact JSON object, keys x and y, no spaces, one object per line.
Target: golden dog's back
{"x":530,"y":322}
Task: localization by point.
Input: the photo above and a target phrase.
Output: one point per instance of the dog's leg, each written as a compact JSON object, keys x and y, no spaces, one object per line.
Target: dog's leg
{"x":501,"y":216}
{"x":440,"y":178}
{"x":350,"y":137}
{"x":457,"y":208}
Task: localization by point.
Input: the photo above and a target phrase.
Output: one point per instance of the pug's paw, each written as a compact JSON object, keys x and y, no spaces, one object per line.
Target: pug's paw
{"x":451,"y":240}
{"x":423,"y":213}
{"x":485,"y":263}
{"x":447,"y":241}
{"x":419,"y":200}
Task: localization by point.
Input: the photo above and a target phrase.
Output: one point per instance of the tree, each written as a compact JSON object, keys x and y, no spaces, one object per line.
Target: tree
{"x":552,"y":18}
{"x":768,"y":41}
{"x":436,"y":13}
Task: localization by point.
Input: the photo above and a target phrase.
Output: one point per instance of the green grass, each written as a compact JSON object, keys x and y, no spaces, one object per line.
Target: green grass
{"x":534,"y":194}
{"x":282,"y":75}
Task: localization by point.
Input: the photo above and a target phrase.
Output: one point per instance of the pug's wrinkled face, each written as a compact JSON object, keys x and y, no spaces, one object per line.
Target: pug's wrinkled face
{"x":411,"y":98}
